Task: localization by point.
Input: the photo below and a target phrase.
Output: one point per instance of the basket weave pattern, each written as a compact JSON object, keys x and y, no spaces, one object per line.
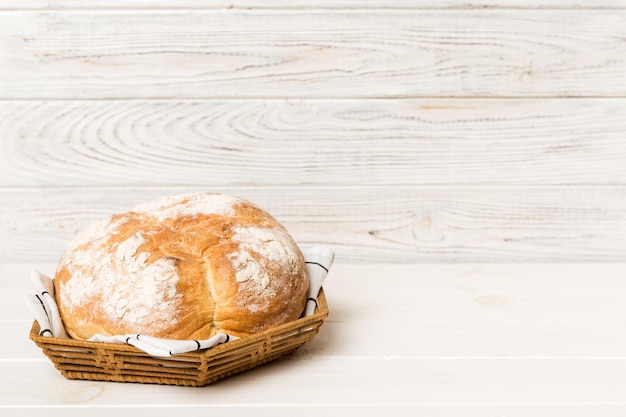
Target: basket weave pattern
{"x":99,"y":361}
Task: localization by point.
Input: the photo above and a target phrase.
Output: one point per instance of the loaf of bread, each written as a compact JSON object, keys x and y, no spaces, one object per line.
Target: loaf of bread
{"x":181,"y":267}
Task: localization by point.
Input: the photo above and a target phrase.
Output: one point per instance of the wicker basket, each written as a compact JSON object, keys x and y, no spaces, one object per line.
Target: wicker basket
{"x":99,"y":361}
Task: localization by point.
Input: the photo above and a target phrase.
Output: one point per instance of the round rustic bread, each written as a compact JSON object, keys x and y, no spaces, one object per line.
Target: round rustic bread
{"x":182,"y":267}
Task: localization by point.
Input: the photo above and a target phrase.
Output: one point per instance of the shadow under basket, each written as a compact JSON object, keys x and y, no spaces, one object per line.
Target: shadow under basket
{"x":100,"y":361}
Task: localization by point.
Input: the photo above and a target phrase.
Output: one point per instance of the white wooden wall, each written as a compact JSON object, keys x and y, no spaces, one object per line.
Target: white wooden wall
{"x":394,"y":131}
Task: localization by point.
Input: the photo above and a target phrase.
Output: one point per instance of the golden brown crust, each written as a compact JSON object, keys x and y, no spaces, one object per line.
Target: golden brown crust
{"x":183,"y":267}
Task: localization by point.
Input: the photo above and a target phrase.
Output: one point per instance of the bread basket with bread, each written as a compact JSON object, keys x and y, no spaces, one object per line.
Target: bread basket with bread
{"x":184,"y":290}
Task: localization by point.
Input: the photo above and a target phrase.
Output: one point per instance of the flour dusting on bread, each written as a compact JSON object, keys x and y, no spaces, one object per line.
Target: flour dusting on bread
{"x":109,"y":280}
{"x":269,"y":245}
{"x":189,"y":205}
{"x":146,"y":271}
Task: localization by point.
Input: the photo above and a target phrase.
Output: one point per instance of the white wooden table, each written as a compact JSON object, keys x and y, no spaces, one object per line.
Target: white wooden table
{"x":442,"y":340}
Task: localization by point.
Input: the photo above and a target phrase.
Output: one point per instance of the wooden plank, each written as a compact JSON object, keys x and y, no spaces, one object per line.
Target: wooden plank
{"x":17,"y":346}
{"x":324,"y":142}
{"x":340,"y":382}
{"x":404,"y":341}
{"x":434,"y":298}
{"x":482,"y":293}
{"x":308,"y":4}
{"x":362,"y":410}
{"x":391,"y":53}
{"x":391,"y":224}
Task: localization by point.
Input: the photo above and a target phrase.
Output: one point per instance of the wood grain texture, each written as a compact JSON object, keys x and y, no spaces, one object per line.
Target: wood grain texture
{"x":313,"y":142}
{"x":404,"y":53}
{"x":366,"y":224}
{"x":408,"y":382}
{"x":308,"y":4}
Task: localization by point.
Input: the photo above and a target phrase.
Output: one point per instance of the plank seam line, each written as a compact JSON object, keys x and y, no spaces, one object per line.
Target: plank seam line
{"x":384,"y":404}
{"x":267,"y":10}
{"x":310,"y":98}
{"x":10,"y":189}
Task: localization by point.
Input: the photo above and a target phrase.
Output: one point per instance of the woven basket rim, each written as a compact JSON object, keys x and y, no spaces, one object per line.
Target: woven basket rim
{"x":321,"y":312}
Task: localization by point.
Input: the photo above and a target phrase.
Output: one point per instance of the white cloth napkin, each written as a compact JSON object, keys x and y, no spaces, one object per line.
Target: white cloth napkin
{"x":155,"y":346}
{"x":318,"y":260}
{"x":42,"y":305}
